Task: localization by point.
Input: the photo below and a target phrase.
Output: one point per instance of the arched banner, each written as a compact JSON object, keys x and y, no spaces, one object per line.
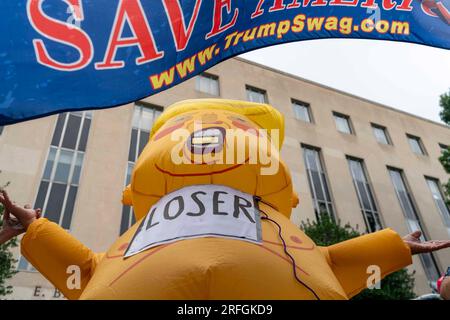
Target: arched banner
{"x":61,"y":55}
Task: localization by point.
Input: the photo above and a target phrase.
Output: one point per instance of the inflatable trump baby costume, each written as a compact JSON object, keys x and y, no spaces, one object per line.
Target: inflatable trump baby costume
{"x":213,"y":221}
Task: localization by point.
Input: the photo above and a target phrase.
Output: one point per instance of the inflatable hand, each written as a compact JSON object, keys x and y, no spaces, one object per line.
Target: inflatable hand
{"x":212,"y":201}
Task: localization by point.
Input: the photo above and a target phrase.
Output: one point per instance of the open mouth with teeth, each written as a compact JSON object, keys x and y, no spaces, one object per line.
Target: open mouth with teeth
{"x":207,"y":140}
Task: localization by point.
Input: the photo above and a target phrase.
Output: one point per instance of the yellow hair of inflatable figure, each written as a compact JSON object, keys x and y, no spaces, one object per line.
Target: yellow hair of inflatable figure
{"x":213,"y":268}
{"x":264,"y":115}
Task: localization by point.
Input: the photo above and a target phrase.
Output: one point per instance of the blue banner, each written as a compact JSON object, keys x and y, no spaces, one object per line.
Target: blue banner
{"x":65,"y":55}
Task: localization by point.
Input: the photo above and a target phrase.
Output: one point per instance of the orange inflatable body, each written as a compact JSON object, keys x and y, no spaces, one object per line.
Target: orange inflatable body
{"x":213,"y":266}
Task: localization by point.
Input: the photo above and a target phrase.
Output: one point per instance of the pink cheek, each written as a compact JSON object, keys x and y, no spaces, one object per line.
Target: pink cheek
{"x":244,"y":127}
{"x":167,"y":131}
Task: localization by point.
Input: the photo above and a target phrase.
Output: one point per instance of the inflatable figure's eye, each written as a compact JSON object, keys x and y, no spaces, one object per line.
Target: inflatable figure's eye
{"x":234,"y":118}
{"x":183,"y":118}
{"x":162,"y":133}
{"x":243,"y":125}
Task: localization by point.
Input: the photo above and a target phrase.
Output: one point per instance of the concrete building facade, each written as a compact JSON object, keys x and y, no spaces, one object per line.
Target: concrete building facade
{"x":359,"y":161}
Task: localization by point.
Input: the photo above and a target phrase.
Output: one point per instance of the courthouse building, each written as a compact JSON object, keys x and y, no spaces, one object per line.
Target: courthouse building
{"x":360,"y":161}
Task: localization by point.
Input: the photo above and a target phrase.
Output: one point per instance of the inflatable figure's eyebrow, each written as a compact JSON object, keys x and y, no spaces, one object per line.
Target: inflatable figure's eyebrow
{"x":233,"y":117}
{"x":183,"y":117}
{"x":168,"y":130}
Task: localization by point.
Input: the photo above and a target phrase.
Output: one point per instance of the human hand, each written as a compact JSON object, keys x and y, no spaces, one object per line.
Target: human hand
{"x":16,"y":219}
{"x":417,"y":246}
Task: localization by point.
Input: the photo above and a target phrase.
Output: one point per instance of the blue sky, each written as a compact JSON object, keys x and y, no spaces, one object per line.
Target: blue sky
{"x":404,"y":76}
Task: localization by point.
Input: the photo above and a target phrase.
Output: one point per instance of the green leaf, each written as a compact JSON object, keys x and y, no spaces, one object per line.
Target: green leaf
{"x":7,"y":262}
{"x":324,"y":232}
{"x":445,"y":157}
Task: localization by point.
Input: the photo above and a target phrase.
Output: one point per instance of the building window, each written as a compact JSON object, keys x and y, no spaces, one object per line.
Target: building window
{"x":443,"y":147}
{"x":436,"y":191}
{"x":302,"y":111}
{"x":381,"y":134}
{"x":365,"y":194}
{"x":207,"y":83}
{"x":416,"y":144}
{"x":1,"y":130}
{"x":256,"y":95}
{"x":60,"y":180}
{"x":318,"y":182}
{"x":343,"y":123}
{"x":143,"y":119}
{"x":412,"y":219}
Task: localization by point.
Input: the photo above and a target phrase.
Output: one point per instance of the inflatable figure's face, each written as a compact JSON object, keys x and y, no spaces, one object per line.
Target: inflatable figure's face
{"x":208,"y":147}
{"x":207,"y":142}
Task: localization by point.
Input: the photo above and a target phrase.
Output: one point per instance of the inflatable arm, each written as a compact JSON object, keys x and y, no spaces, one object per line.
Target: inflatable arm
{"x":351,"y":260}
{"x":51,"y":250}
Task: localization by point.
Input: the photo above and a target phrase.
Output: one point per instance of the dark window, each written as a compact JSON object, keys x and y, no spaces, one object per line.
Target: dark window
{"x":71,"y":132}
{"x":84,"y":134}
{"x":49,"y":164}
{"x":302,"y":111}
{"x":343,"y":123}
{"x":40,"y":199}
{"x":416,"y":144}
{"x":143,"y":119}
{"x":132,"y":156}
{"x":143,"y":139}
{"x":58,"y":129}
{"x":317,"y":182}
{"x":59,"y":185}
{"x":256,"y":95}
{"x":67,"y":219}
{"x":1,"y":130}
{"x":77,"y":168}
{"x":443,"y":147}
{"x":436,"y":192}
{"x":413,"y":220}
{"x":64,"y":166}
{"x":55,"y":202}
{"x":365,"y":194}
{"x":207,"y":83}
{"x":381,"y":134}
{"x":125,"y":221}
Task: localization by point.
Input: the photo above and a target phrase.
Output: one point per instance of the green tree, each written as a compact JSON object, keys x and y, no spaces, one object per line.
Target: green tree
{"x":445,"y":157}
{"x":396,"y":286}
{"x":7,"y":261}
{"x":445,"y":105}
